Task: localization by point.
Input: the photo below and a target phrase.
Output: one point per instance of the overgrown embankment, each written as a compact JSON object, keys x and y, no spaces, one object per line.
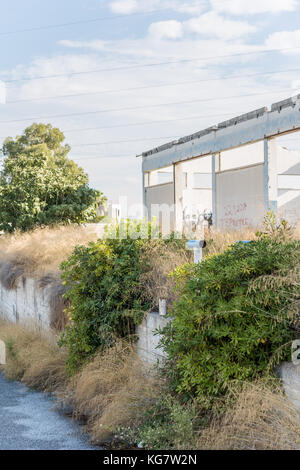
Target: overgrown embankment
{"x":234,"y":318}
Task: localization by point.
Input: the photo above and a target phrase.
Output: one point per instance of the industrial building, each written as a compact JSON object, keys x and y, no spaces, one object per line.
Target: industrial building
{"x":233,"y":172}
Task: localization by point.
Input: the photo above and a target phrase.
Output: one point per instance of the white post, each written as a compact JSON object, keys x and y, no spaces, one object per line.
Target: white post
{"x":162,"y":307}
{"x":2,"y":353}
{"x":197,"y":255}
{"x":197,"y":247}
{"x":270,"y":175}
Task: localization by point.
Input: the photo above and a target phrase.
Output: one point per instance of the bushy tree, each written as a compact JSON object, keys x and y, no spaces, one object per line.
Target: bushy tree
{"x":105,"y":295}
{"x":40,"y":185}
{"x":234,"y":318}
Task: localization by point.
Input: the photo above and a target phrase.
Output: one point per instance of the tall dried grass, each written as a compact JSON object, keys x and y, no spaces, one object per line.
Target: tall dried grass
{"x":112,"y":391}
{"x":262,"y":418}
{"x":297,"y":231}
{"x":219,"y":240}
{"x":161,"y":260}
{"x":38,"y":254}
{"x":33,"y":356}
{"x":41,"y":251}
{"x":115,"y":389}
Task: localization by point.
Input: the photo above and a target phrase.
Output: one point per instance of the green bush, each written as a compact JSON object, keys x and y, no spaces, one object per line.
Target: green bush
{"x":105,"y":295}
{"x":234,"y":316}
{"x":110,"y":286}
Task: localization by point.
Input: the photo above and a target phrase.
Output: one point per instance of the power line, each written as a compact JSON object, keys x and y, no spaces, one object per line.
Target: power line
{"x":143,"y":123}
{"x":74,"y":23}
{"x":146,"y":106}
{"x":162,"y":85}
{"x":143,"y":139}
{"x":138,"y":66}
{"x":101,"y":157}
{"x":91,"y":20}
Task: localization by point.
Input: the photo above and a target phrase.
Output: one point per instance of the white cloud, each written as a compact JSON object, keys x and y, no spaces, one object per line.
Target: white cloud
{"x":96,"y":45}
{"x":247,"y":7}
{"x":171,"y":29}
{"x":284,"y":40}
{"x":124,"y":6}
{"x":210,"y":25}
{"x":132,"y":6}
{"x":213,"y":25}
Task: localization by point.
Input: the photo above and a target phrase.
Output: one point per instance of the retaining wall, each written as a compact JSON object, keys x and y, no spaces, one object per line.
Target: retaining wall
{"x":147,"y":346}
{"x":26,"y":302}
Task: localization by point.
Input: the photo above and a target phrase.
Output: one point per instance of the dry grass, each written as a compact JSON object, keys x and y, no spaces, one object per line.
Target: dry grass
{"x":115,"y":389}
{"x":38,"y":254}
{"x":261,"y":419}
{"x":33,"y":357}
{"x":219,"y":240}
{"x":162,"y":259}
{"x":297,"y":231}
{"x":112,"y":391}
{"x":41,"y":251}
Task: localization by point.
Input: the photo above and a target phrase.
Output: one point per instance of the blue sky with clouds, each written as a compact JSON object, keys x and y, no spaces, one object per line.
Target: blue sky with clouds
{"x":100,"y":112}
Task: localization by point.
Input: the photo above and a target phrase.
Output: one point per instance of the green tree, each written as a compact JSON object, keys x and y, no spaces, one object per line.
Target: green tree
{"x":235,"y":317}
{"x":40,"y":185}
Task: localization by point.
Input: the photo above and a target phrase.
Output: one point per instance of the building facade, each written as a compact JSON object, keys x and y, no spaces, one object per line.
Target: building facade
{"x":230,"y":174}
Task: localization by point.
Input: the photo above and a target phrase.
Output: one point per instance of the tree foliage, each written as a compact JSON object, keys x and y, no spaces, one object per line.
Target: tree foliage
{"x":234,"y":316}
{"x":40,"y":185}
{"x":105,"y":294}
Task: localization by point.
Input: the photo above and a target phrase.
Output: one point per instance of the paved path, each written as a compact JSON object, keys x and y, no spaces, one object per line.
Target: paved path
{"x":29,"y":422}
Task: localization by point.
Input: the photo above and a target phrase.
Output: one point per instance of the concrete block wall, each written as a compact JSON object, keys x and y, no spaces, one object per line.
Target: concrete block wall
{"x":30,"y":302}
{"x":26,"y":302}
{"x":147,"y":346}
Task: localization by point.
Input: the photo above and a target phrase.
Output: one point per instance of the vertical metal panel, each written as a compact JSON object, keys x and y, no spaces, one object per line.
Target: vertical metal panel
{"x":214,"y":190}
{"x":270,"y":175}
{"x":240,"y":197}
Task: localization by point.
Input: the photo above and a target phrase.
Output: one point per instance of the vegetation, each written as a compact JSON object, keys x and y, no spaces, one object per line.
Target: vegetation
{"x":40,"y":185}
{"x":106,"y":286}
{"x":33,"y":357}
{"x":123,"y":406}
{"x":105,"y":295}
{"x":234,"y":316}
{"x":257,"y":417}
{"x":41,"y":251}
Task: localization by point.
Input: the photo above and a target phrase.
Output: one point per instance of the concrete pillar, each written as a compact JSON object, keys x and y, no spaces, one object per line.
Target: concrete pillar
{"x":214,"y":200}
{"x":178,"y":197}
{"x":145,"y":185}
{"x":270,"y":175}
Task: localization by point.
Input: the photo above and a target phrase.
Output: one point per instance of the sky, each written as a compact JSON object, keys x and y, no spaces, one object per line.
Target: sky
{"x":120,"y":77}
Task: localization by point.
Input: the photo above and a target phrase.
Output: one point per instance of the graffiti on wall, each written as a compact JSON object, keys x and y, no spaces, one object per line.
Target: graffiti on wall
{"x":235,"y":216}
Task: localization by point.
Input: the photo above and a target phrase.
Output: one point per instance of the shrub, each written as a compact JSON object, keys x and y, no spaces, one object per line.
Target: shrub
{"x":110,"y":286}
{"x":166,"y":424}
{"x":105,"y":295}
{"x":234,"y":315}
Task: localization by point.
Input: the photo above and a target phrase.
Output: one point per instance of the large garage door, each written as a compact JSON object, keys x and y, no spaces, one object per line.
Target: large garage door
{"x":240,"y":197}
{"x":162,"y":195}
